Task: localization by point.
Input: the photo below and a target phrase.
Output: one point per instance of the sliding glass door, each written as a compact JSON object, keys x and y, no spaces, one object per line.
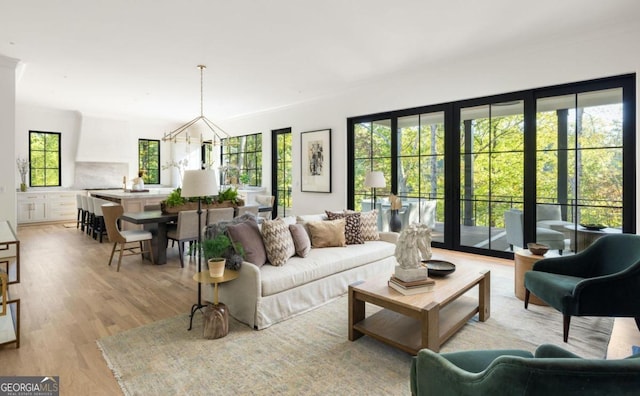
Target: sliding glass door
{"x":579,"y":152}
{"x":533,"y":166}
{"x":492,"y":172}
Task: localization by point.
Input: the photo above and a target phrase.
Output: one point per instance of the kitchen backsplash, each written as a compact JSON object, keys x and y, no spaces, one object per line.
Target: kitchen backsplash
{"x":91,"y":175}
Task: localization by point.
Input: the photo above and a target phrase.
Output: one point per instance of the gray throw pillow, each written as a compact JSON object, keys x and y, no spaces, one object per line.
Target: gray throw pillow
{"x":301,"y":239}
{"x":248,"y":235}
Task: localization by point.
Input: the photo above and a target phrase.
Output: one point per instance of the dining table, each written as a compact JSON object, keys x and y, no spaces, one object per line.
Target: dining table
{"x":157,"y":223}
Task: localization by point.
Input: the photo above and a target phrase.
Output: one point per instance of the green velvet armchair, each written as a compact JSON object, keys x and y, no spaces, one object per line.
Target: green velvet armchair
{"x":602,"y":280}
{"x":551,"y":371}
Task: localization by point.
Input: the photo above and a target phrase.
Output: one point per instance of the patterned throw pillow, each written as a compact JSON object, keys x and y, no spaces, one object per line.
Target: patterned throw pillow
{"x":278,"y":242}
{"x":352,"y":232}
{"x":369,"y":225}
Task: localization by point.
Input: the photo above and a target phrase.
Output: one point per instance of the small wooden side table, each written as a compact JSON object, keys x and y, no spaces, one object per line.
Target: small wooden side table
{"x":524,"y":260}
{"x":216,"y":314}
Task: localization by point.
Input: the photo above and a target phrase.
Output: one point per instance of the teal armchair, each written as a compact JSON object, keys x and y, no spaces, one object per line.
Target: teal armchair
{"x":551,"y":371}
{"x":602,"y":280}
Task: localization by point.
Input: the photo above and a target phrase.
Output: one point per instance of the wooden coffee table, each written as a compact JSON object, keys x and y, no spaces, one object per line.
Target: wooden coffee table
{"x":419,"y":321}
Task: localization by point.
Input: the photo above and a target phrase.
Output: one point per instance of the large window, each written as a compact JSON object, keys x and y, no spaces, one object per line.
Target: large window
{"x":44,"y":159}
{"x":558,"y":158}
{"x":491,"y":159}
{"x":241,"y":159}
{"x":149,"y":160}
{"x":579,"y":155}
{"x":281,"y":170}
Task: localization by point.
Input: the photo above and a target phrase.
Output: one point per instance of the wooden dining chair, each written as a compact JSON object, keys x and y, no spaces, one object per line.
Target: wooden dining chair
{"x":121,"y":239}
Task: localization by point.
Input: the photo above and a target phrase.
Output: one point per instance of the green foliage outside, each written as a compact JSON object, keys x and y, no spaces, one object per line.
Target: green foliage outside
{"x":149,"y":160}
{"x":242,"y":155}
{"x":494,"y":158}
{"x":44,"y":152}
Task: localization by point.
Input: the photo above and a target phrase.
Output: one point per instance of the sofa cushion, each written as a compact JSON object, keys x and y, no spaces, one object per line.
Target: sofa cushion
{"x":301,"y":239}
{"x":352,"y":228}
{"x":248,"y":235}
{"x":278,"y":242}
{"x":327,"y":233}
{"x":321,"y":263}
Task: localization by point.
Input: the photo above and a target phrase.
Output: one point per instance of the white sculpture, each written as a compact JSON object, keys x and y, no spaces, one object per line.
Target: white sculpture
{"x":413,"y":246}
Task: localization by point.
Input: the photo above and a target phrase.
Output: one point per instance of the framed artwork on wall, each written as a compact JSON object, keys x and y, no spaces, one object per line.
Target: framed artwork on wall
{"x":315,"y":162}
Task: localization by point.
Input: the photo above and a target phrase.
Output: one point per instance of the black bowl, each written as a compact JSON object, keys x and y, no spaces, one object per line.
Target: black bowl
{"x":594,"y":227}
{"x":439,"y":267}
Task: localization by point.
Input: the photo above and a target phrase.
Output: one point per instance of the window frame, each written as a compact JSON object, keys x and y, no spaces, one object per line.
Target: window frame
{"x":32,"y":169}
{"x":253,"y":156}
{"x":149,"y":171}
{"x":452,"y":153}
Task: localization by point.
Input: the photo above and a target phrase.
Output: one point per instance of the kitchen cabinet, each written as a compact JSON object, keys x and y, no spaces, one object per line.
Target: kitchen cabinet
{"x":43,"y":206}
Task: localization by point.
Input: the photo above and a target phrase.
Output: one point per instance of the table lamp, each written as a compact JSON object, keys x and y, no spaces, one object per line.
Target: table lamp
{"x":199,"y":183}
{"x":373,"y":180}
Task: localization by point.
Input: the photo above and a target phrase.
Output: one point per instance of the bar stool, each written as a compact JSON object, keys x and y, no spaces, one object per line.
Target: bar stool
{"x":80,"y":214}
{"x":90,"y":216}
{"x":85,"y":212}
{"x":99,"y":228}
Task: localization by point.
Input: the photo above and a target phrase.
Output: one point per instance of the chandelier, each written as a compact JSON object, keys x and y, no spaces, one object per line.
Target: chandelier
{"x":184,"y":134}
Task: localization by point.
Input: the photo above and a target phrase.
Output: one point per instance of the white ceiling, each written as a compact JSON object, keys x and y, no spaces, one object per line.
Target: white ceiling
{"x":137,"y":58}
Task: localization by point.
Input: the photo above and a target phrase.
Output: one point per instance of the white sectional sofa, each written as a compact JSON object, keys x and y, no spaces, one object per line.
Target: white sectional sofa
{"x":262,"y":296}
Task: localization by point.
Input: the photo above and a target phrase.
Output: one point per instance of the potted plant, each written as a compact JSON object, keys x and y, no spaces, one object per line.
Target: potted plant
{"x":230,"y":194}
{"x":23,"y":169}
{"x":216,"y":250}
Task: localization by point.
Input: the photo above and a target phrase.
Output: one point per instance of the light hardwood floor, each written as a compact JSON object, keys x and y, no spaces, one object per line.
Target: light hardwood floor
{"x":70,"y":298}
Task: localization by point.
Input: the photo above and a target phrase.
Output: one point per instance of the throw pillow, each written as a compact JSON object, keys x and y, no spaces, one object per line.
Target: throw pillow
{"x":352,"y":232}
{"x":248,"y":235}
{"x":369,"y":225}
{"x":301,"y":239}
{"x":278,"y":242}
{"x":234,"y":260}
{"x":327,"y":233}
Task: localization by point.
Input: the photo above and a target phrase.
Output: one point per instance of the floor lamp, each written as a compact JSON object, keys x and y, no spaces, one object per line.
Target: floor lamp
{"x":199,"y":183}
{"x":373,"y":180}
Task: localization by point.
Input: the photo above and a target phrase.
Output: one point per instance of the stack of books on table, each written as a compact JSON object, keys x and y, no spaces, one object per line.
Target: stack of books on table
{"x":413,"y":287}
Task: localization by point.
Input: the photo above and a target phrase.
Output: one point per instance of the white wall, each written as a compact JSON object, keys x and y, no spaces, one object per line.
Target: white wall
{"x":33,"y":118}
{"x":9,"y":173}
{"x":602,"y":54}
{"x":472,"y":75}
{"x":89,"y":138}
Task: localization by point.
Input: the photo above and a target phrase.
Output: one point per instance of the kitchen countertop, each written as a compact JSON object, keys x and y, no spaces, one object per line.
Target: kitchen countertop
{"x":120,"y":194}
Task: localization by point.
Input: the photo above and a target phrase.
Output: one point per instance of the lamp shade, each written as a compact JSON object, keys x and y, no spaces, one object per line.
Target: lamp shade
{"x":199,"y":183}
{"x":374,"y":179}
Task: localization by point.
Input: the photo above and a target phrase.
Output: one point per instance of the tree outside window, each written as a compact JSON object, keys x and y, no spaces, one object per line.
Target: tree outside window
{"x":149,"y":160}
{"x":44,"y":159}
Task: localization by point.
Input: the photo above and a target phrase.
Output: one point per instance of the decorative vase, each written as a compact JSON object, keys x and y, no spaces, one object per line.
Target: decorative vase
{"x":216,"y":267}
{"x":395,"y":223}
{"x":23,"y":187}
